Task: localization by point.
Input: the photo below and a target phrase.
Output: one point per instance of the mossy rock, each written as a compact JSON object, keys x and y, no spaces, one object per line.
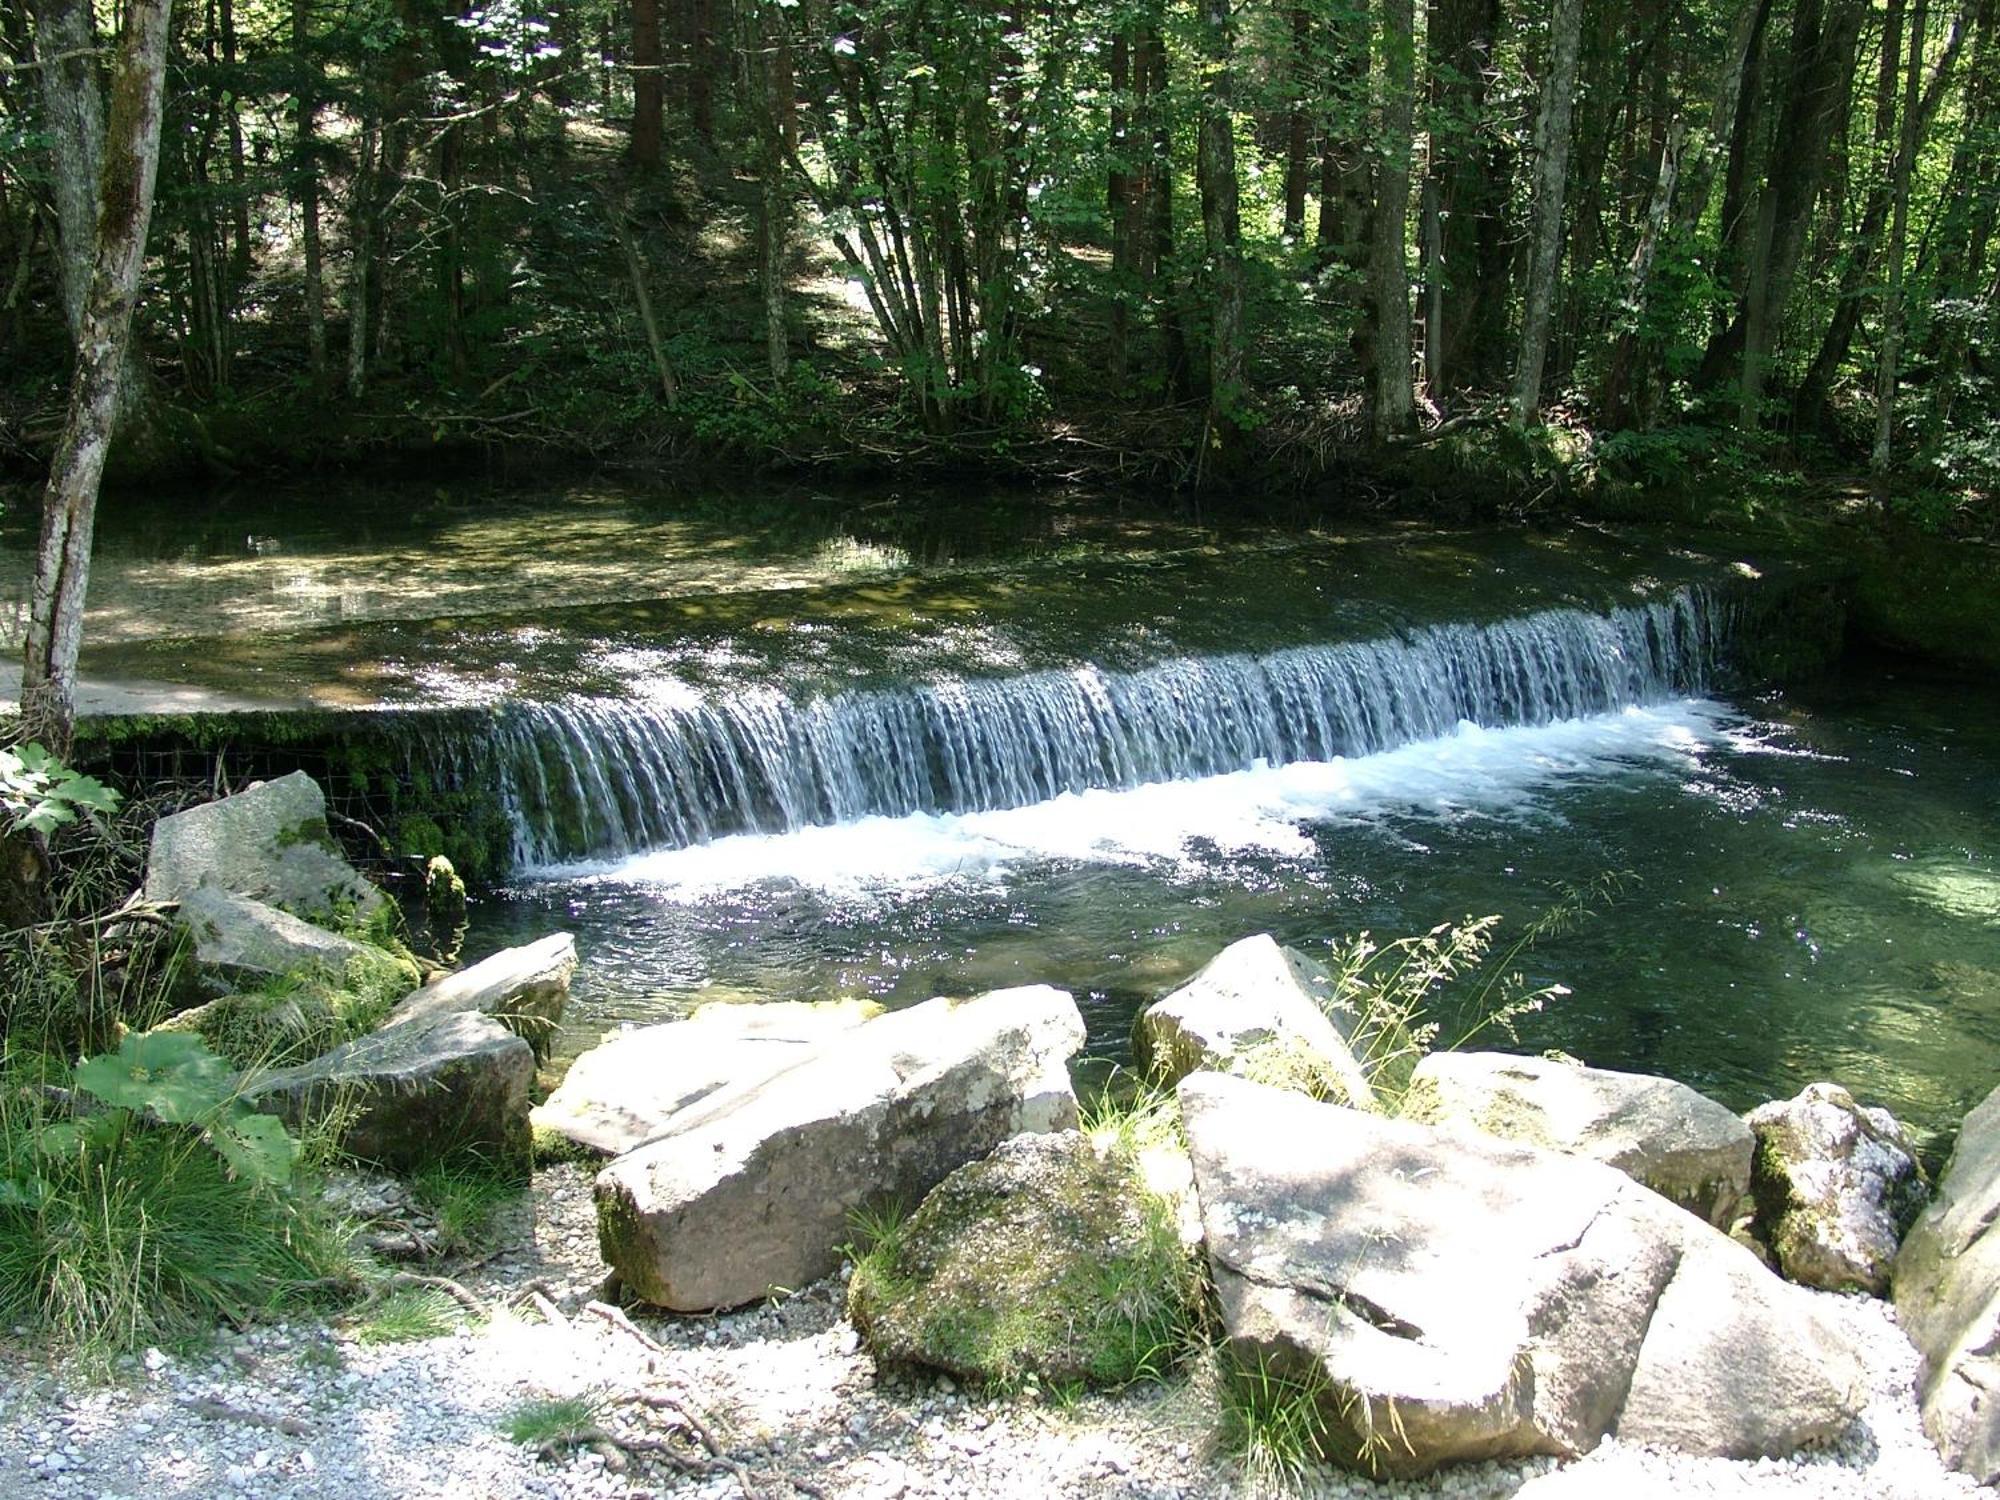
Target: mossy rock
{"x":1046,"y":1264}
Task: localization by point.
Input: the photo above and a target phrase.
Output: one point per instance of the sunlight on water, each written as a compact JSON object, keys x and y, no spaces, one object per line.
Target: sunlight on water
{"x":1473,"y":771}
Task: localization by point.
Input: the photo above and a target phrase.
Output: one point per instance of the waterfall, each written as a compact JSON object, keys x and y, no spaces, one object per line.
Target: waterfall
{"x":598,"y":777}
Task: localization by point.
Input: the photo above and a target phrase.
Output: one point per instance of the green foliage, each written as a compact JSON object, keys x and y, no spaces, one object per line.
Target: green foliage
{"x":408,"y":1315}
{"x":553,"y":1423}
{"x":145,"y":1201}
{"x":465,"y":1197}
{"x":39,"y":794}
{"x":1274,"y":1421}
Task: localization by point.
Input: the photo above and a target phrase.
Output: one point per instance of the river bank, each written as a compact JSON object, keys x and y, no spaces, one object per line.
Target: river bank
{"x":784,"y":1387}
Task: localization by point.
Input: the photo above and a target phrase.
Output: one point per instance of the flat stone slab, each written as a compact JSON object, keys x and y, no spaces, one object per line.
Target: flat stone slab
{"x":454,"y":1085}
{"x":269,"y":842}
{"x":524,"y":988}
{"x":626,"y":1091}
{"x":1685,"y":1147}
{"x":752,"y":1188}
{"x":1455,"y":1297}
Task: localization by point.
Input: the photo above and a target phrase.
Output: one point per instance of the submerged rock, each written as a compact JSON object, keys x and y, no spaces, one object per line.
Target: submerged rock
{"x":1255,"y":1009}
{"x":1947,"y":1293}
{"x":1687,"y":1148}
{"x":626,"y":1091}
{"x":752,"y":1187}
{"x":269,"y":842}
{"x":525,"y":988}
{"x":455,"y":1085}
{"x":1450,"y":1298}
{"x":1048,"y":1262}
{"x":1836,"y":1186}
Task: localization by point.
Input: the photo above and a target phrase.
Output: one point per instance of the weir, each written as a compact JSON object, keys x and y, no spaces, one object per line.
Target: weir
{"x":596,"y":778}
{"x":537,"y":782}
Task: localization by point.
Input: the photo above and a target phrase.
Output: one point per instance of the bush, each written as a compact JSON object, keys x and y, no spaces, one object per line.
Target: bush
{"x":141,"y":1200}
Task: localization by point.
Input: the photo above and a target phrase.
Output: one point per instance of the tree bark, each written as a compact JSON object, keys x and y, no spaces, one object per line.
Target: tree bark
{"x":648,"y":84}
{"x":1893,"y":302}
{"x":69,"y":504}
{"x":65,"y":40}
{"x":1221,"y":224}
{"x":1552,"y":140}
{"x":1462,"y":196}
{"x":306,"y":180}
{"x":1394,"y":399}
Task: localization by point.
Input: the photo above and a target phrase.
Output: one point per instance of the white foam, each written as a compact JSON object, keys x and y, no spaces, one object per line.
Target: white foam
{"x":1470,"y":772}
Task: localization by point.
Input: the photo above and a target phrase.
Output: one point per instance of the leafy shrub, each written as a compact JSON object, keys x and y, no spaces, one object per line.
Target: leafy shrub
{"x":146,"y":1200}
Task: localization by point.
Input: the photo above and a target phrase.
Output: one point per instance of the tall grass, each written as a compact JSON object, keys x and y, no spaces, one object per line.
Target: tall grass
{"x":145,"y":1234}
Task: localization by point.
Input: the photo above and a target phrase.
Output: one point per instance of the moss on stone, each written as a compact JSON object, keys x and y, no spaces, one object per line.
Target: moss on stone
{"x":1048,"y":1264}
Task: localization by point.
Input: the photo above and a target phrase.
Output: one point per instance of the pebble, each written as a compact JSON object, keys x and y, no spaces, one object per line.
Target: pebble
{"x":791,"y":1389}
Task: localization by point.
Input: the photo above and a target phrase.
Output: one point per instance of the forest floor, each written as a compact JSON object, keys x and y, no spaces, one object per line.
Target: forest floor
{"x":793,"y":1405}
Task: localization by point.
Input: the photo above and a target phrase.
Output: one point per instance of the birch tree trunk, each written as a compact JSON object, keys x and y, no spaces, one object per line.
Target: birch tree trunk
{"x":1552,"y":138}
{"x":69,"y":504}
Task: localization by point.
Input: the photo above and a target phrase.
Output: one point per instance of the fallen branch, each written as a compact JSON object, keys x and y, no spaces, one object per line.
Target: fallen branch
{"x":222,"y":1411}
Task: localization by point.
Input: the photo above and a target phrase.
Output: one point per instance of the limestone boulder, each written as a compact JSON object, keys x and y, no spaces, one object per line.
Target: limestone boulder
{"x":1260,"y":1009}
{"x":1836,"y":1186}
{"x":270,"y":842}
{"x":753,"y":1187}
{"x":455,"y":1085}
{"x":526,"y":989}
{"x":1046,"y":1263}
{"x":624,"y":1092}
{"x":242,"y":942}
{"x":1687,"y":1148}
{"x":1947,"y":1291}
{"x":1457,"y":1297}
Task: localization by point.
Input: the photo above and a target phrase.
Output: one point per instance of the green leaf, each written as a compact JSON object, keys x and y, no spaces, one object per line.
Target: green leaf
{"x":172,"y":1074}
{"x":23,"y":1192}
{"x":255,"y":1146}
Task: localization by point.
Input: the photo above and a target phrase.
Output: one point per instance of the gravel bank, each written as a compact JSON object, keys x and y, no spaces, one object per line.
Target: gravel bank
{"x":305,"y":1411}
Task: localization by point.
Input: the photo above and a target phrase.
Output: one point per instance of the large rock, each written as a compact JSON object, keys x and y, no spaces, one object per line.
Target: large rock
{"x":1947,"y":1290}
{"x":1047,"y":1263}
{"x":525,"y":988}
{"x":752,"y":1188}
{"x":453,"y":1086}
{"x":625,"y":1092}
{"x":1685,"y":1147}
{"x":1836,"y":1186}
{"x":1254,"y":1009}
{"x":245,"y":942}
{"x":1458,"y":1297}
{"x":270,"y":842}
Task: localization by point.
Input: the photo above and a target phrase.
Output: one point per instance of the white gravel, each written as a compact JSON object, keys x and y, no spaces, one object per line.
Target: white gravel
{"x":784,"y":1389}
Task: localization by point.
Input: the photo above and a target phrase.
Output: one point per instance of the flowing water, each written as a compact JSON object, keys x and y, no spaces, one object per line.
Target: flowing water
{"x":816,"y":746}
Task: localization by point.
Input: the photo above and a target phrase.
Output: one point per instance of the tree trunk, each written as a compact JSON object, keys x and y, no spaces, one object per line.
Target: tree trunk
{"x":361,"y":251}
{"x":306,"y":179}
{"x":1820,"y":63}
{"x":1463,"y":192}
{"x":648,"y":84}
{"x":1552,"y":139}
{"x":69,"y":504}
{"x":65,"y":41}
{"x":775,"y":76}
{"x":1893,"y":309}
{"x":1221,"y":225}
{"x":1298,"y":125}
{"x":1394,"y":400}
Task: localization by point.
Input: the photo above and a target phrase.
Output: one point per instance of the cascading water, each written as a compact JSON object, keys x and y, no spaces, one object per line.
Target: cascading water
{"x":599,"y":777}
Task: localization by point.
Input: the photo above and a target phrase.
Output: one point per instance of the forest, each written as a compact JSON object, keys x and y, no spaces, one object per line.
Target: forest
{"x":1525,"y":247}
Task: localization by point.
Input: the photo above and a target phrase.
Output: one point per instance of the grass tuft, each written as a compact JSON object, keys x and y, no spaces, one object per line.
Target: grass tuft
{"x":406,"y":1316}
{"x":552,"y":1423}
